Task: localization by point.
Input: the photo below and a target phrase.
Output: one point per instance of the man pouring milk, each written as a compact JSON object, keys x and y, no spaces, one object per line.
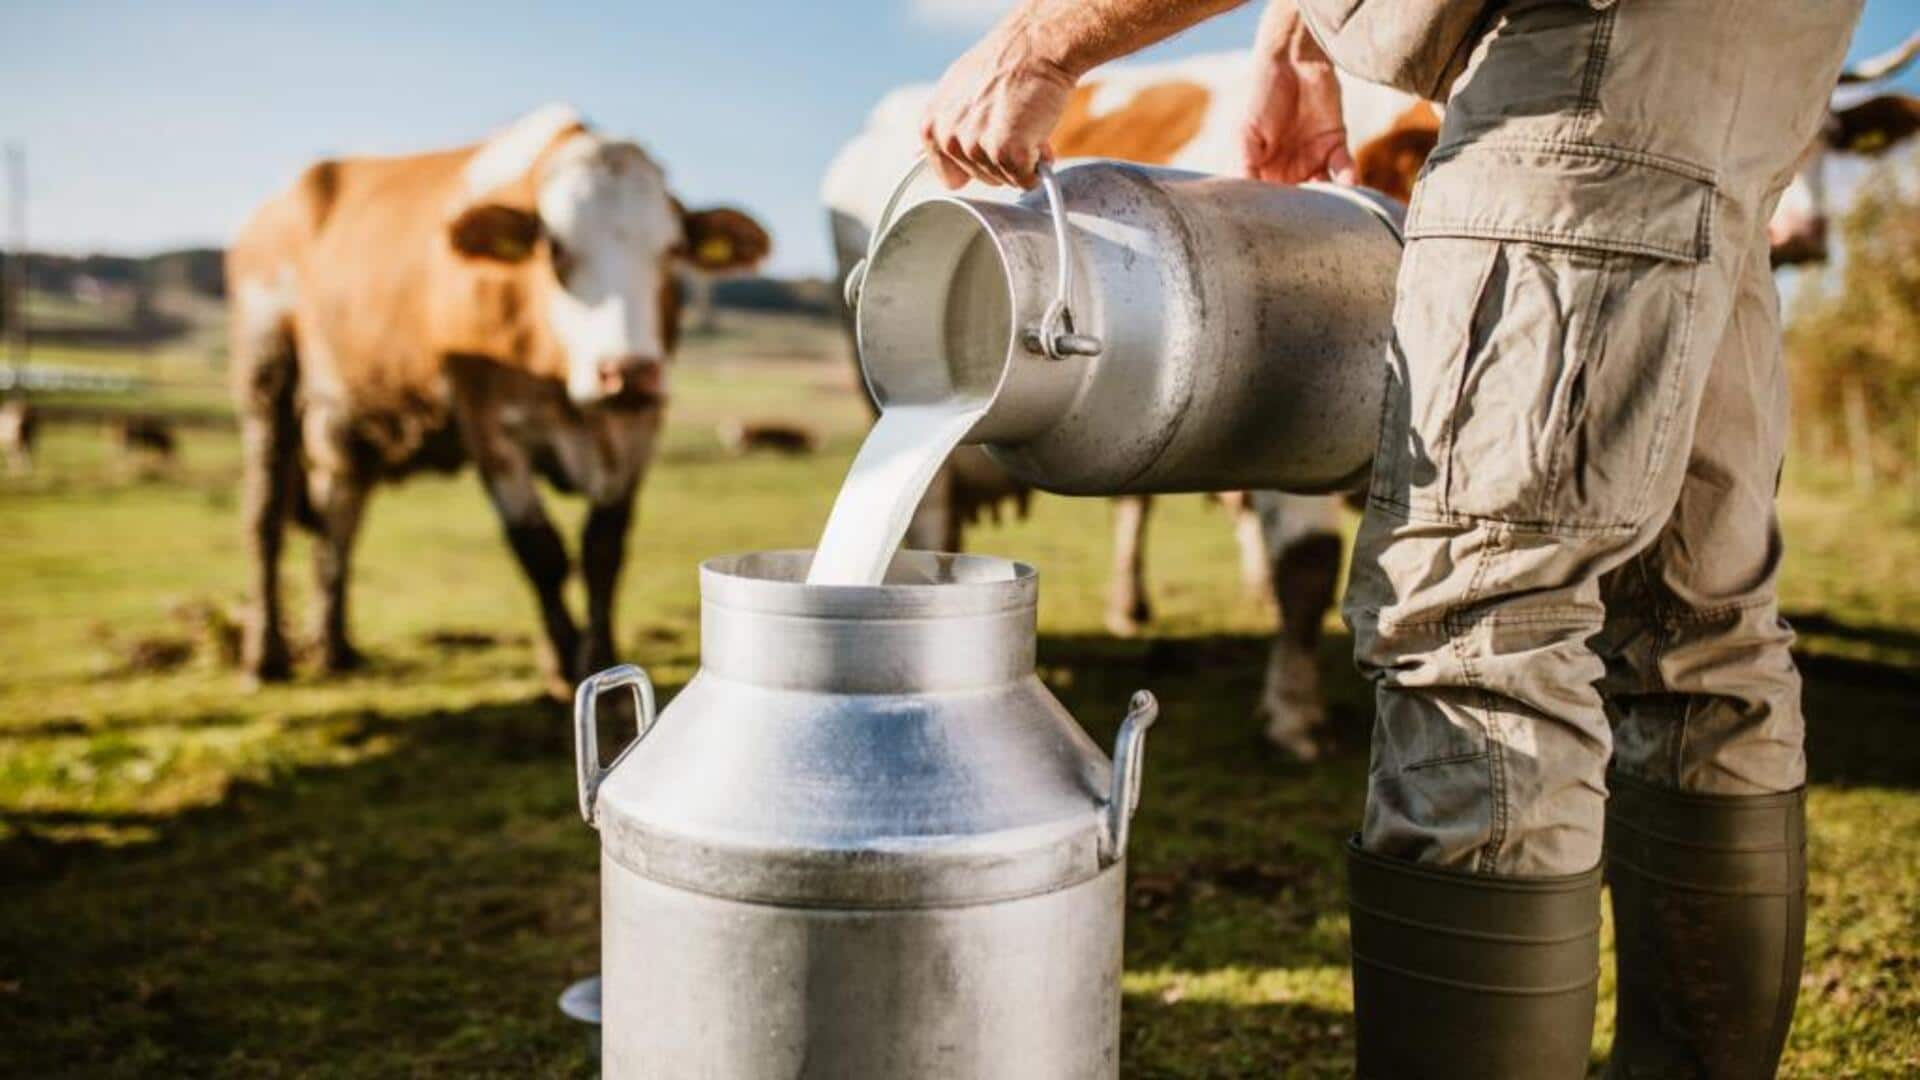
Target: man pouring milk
{"x":1563,"y":587}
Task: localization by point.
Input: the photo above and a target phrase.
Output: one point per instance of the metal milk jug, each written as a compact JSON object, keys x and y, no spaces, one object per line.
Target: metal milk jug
{"x":1137,"y":329}
{"x":864,"y":841}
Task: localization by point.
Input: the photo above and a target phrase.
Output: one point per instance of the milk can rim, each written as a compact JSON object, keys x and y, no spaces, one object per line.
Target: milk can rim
{"x":980,"y":212}
{"x":724,"y":582}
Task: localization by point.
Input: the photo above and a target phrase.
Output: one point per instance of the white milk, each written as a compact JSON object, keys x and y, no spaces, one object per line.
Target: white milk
{"x":902,"y":453}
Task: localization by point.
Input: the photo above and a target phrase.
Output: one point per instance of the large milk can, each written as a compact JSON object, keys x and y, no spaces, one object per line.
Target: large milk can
{"x":864,"y":841}
{"x":1135,"y":329}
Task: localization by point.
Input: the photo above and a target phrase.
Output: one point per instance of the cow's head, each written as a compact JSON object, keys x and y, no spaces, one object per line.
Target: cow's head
{"x":599,"y":239}
{"x":1858,"y":122}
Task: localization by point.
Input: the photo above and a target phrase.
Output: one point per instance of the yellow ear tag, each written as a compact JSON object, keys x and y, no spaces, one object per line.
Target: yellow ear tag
{"x":714,"y":251}
{"x":508,"y":247}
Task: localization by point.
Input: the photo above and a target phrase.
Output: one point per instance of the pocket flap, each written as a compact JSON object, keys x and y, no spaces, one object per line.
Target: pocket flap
{"x":1570,"y":195}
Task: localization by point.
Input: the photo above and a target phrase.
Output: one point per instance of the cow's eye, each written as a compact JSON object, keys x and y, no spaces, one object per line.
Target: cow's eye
{"x":562,"y":261}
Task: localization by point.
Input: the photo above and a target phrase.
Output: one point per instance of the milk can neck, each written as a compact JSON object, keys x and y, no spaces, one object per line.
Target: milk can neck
{"x":943,"y":623}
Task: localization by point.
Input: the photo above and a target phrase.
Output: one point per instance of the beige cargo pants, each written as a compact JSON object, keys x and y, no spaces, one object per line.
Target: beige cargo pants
{"x":1569,"y":549}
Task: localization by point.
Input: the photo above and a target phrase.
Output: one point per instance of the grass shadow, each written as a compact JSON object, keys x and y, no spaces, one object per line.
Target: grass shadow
{"x":417,"y":909}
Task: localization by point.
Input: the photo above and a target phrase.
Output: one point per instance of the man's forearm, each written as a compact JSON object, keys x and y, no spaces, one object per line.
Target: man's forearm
{"x":1076,"y":36}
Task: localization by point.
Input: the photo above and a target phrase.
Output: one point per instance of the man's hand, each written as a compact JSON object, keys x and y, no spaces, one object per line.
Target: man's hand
{"x":1294,"y":131}
{"x":993,"y":110}
{"x":996,"y":106}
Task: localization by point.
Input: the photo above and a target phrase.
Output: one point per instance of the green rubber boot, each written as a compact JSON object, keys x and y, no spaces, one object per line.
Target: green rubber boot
{"x":1709,"y":910}
{"x":1471,"y":977}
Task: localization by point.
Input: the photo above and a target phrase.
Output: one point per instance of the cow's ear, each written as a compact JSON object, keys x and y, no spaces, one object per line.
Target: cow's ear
{"x":1875,"y":125}
{"x":495,"y":231}
{"x":723,"y":239}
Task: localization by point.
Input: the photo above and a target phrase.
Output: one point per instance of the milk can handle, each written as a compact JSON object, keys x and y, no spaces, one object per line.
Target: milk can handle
{"x":586,"y":733}
{"x":1128,"y":749}
{"x":1054,"y":338}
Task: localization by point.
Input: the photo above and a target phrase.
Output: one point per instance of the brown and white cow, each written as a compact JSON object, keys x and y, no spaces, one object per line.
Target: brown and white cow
{"x":512,"y":303}
{"x":1186,"y":115}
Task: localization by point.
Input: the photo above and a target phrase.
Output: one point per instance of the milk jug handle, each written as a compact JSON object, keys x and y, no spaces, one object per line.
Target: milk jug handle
{"x":1129,"y":747}
{"x":1054,"y":337}
{"x":586,"y":732}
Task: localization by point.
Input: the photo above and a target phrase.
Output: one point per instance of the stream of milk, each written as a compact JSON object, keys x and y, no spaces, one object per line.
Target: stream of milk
{"x":899,"y":459}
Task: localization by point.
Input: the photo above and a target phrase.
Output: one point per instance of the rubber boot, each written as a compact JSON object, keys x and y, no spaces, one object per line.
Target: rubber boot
{"x":1468,"y":976}
{"x":1709,"y":910}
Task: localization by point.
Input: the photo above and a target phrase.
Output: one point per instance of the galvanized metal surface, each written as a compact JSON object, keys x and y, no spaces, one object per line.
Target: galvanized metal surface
{"x":1243,"y":329}
{"x":700,"y":986}
{"x":865,"y":840}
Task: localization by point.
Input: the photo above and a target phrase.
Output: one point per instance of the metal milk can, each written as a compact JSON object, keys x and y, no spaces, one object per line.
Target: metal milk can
{"x":864,"y":841}
{"x":1137,"y":329}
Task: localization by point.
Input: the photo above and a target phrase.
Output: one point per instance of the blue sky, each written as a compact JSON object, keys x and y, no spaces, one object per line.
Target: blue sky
{"x":157,"y":124}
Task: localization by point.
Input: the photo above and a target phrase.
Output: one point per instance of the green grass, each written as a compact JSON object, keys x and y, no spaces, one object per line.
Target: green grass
{"x":385,"y":875}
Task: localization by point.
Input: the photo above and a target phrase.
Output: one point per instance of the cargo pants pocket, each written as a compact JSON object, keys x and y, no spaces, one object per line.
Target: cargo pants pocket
{"x":1540,"y":354}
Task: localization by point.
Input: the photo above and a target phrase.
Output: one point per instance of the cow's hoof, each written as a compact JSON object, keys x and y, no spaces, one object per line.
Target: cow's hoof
{"x":342,"y":658}
{"x":270,"y":662}
{"x":592,"y":660}
{"x":1125,"y":620}
{"x":1291,"y":728}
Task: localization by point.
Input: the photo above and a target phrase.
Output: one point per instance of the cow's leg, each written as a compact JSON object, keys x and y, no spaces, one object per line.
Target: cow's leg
{"x":1127,"y":606}
{"x":270,"y":447}
{"x":339,"y":497}
{"x":1303,"y":535}
{"x":1256,"y":564}
{"x":263,"y":502}
{"x":536,"y":544}
{"x":603,"y":548}
{"x":506,"y":470}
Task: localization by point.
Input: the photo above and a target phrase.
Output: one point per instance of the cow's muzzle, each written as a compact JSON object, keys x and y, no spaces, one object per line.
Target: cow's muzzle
{"x":633,"y":380}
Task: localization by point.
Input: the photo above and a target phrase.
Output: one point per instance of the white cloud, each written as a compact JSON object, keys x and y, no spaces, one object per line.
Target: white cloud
{"x":959,"y":14}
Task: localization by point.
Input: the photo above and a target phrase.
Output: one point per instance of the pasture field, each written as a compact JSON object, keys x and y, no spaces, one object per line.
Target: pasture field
{"x":386,"y":875}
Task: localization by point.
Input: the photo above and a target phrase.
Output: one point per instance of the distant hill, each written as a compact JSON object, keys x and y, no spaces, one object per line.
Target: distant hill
{"x":808,"y":296}
{"x":200,"y":273}
{"x":193,"y":270}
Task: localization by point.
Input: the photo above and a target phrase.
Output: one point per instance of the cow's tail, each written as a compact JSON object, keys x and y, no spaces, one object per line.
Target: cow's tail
{"x":266,"y":374}
{"x":288,"y":470}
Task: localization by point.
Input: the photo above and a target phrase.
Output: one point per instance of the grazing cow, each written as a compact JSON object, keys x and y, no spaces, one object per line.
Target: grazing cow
{"x":18,"y":426}
{"x":1188,"y":115}
{"x":1859,"y":121}
{"x":512,"y":303}
{"x":742,"y":437}
{"x":144,"y":435}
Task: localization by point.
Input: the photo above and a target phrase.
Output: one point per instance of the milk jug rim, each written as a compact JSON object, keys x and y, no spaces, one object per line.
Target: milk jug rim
{"x":920,"y":584}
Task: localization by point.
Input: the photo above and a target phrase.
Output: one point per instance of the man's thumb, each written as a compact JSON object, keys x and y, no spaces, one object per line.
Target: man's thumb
{"x":1340,"y":166}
